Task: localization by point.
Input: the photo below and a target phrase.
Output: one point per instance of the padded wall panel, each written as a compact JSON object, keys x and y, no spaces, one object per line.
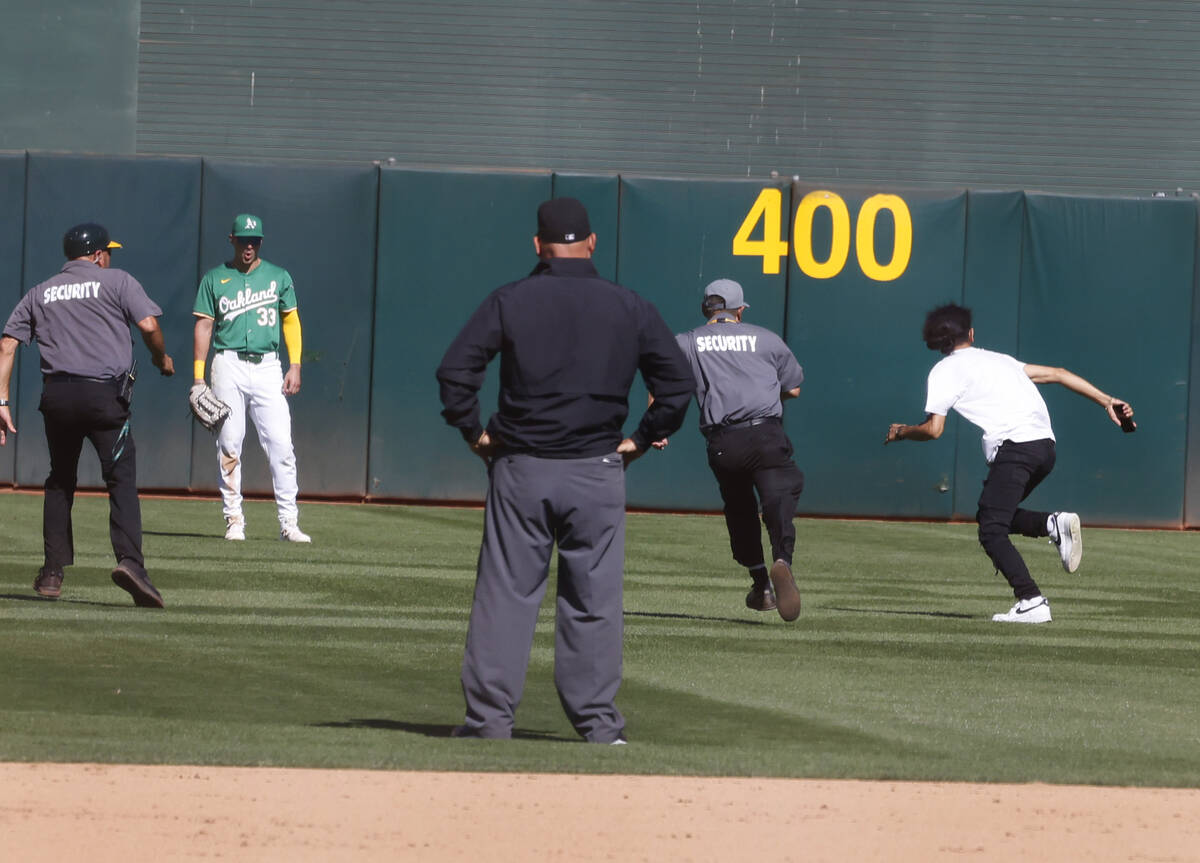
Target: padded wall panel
{"x":601,"y":196}
{"x":859,"y":339}
{"x":446,"y":240}
{"x":320,"y":225}
{"x":676,"y":237}
{"x":1191,"y":506}
{"x":150,"y":206}
{"x":12,"y":239}
{"x":991,"y":289}
{"x":1107,"y":292}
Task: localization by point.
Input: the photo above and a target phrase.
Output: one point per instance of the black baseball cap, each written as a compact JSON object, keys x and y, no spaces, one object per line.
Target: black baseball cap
{"x":563,"y":220}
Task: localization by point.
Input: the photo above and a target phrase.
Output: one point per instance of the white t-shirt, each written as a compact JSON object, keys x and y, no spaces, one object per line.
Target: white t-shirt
{"x":992,"y":391}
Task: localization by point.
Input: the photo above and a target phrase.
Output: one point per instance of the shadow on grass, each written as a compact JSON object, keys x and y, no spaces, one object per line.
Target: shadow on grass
{"x":953,"y":614}
{"x":430,"y":729}
{"x":24,"y":597}
{"x":181,"y":533}
{"x":665,"y":615}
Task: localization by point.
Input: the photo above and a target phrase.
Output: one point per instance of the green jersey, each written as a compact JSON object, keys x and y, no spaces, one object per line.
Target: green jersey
{"x":246,"y":307}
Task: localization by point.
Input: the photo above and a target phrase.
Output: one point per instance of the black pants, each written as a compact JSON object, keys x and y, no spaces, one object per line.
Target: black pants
{"x":757,"y":458}
{"x":75,"y":410}
{"x":1015,"y":472}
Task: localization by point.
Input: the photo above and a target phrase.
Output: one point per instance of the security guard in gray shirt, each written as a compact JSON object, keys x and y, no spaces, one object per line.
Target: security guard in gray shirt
{"x":81,"y":319}
{"x":743,"y":373}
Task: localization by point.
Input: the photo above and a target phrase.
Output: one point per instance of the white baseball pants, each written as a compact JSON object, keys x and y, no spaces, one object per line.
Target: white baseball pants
{"x":254,"y":388}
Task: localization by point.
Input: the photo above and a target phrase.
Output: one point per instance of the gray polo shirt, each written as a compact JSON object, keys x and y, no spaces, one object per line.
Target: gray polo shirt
{"x":81,"y":319}
{"x":740,"y":369}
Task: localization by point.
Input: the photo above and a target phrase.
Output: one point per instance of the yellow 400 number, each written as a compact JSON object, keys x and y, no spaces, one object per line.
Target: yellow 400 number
{"x":768,"y":209}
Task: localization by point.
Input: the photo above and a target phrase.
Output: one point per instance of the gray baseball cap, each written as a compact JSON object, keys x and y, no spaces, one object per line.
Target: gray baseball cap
{"x":728,"y":290}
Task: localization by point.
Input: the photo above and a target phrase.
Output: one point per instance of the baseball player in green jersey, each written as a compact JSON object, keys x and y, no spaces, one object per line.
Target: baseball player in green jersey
{"x":241,"y":308}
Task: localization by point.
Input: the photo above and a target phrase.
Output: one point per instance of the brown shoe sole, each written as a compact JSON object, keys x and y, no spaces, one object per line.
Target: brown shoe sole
{"x":46,"y":591}
{"x":143,"y":593}
{"x":787,"y":595}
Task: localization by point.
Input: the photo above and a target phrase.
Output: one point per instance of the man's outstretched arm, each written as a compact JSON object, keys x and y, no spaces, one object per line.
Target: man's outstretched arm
{"x":1073,"y":382}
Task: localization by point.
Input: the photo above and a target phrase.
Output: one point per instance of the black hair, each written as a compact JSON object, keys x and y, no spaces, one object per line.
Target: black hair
{"x":946,"y":327}
{"x":712,"y":304}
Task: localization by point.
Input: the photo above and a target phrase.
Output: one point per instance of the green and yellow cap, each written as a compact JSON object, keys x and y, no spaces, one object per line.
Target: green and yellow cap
{"x":247,"y":225}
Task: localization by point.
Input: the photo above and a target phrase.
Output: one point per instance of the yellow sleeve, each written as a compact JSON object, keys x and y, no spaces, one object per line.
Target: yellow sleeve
{"x":291,"y":335}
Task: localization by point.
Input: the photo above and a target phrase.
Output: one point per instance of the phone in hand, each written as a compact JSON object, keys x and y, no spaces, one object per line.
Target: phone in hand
{"x":1127,"y":423}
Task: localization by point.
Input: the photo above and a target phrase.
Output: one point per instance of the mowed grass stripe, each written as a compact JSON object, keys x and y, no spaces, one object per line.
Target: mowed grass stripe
{"x":347,"y":653}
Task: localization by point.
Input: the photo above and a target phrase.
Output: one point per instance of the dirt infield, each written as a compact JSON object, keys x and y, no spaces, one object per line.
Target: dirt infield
{"x":124,"y":813}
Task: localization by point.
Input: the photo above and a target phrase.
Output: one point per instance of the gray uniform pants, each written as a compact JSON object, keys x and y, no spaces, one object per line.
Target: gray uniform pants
{"x":532,"y":504}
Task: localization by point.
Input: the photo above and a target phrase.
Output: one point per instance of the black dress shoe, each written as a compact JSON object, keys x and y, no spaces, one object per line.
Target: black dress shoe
{"x":131,"y":576}
{"x":49,"y":583}
{"x":760,"y":598}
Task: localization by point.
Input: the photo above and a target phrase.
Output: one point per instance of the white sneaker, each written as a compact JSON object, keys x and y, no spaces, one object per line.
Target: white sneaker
{"x":289,"y":531}
{"x":1065,"y":533}
{"x":235,"y":527}
{"x":1035,"y":610}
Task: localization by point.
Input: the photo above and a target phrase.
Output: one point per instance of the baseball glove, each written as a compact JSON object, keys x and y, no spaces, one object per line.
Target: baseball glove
{"x":208,"y":410}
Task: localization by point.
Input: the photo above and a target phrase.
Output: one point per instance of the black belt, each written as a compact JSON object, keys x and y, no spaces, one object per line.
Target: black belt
{"x":739,"y":424}
{"x":63,"y":376}
{"x":248,"y":356}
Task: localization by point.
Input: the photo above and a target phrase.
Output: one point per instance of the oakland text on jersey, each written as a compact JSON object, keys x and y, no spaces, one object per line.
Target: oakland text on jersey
{"x":726,"y":343}
{"x":76,"y":291}
{"x":246,"y":299}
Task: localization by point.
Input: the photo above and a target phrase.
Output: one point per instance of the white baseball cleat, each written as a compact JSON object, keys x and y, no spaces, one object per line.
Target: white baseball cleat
{"x":235,"y":527}
{"x":289,"y":531}
{"x":1033,"y":610}
{"x":1066,"y":534}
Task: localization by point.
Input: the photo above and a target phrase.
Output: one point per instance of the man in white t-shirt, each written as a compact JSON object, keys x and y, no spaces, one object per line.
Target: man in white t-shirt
{"x":996,"y":392}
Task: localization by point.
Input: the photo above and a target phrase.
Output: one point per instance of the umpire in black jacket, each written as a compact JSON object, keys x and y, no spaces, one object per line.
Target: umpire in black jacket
{"x":570,"y":343}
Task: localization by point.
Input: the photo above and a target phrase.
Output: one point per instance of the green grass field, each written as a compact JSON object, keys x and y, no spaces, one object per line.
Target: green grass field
{"x":346,"y":653}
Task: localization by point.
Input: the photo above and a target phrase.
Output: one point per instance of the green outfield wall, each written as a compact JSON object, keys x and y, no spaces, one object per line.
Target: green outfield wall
{"x":321,"y":225}
{"x":12,"y":239}
{"x":151,"y":206}
{"x":389,"y":262}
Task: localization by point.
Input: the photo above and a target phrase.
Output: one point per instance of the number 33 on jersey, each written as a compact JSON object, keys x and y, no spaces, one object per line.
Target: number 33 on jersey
{"x":246,"y":307}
